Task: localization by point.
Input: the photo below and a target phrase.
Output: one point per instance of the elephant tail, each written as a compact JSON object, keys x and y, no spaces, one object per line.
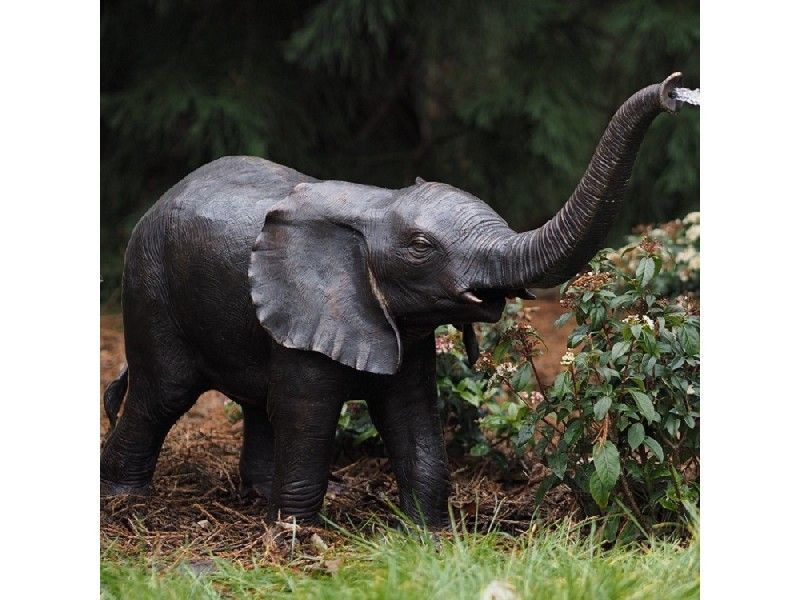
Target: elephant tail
{"x":114,"y":394}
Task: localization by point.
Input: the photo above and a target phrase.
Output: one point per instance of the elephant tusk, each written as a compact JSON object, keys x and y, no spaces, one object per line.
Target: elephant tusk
{"x":470,"y":297}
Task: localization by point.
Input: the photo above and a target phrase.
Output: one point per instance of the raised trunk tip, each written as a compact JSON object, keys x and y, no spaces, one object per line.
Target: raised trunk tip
{"x":553,"y":253}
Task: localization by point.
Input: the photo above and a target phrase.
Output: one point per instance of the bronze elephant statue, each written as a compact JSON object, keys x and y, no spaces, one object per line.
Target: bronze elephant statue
{"x":292,"y":295}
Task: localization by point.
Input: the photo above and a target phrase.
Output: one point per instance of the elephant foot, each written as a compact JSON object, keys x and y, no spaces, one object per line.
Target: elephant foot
{"x":256,"y":490}
{"x":109,"y":489}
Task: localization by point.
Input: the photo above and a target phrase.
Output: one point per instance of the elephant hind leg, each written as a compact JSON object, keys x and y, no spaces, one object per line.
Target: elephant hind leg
{"x":129,"y":455}
{"x":257,"y":461}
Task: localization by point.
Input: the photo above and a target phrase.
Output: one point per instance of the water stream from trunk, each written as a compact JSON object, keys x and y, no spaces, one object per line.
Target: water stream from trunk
{"x":687,"y":95}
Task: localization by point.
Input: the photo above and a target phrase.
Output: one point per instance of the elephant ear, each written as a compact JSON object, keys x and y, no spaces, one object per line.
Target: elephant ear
{"x":312,"y":287}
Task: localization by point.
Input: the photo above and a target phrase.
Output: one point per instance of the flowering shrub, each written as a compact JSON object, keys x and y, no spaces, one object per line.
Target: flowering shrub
{"x":625,"y":410}
{"x":679,"y":250}
{"x":620,"y":424}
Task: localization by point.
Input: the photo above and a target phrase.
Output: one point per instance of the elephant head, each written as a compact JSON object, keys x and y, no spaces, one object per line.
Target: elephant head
{"x":344,"y":269}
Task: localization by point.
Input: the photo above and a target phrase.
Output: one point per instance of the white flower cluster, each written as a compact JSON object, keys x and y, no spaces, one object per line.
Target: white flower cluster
{"x":567,"y":359}
{"x":531,"y":397}
{"x":506,"y":369}
{"x":642,"y":320}
{"x":444,"y":344}
{"x":687,"y":262}
{"x":687,"y":255}
{"x":693,"y":218}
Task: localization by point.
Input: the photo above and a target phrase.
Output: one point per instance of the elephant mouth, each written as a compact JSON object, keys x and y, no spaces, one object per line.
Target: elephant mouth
{"x":486,"y":301}
{"x":490,"y":302}
{"x":490,"y":296}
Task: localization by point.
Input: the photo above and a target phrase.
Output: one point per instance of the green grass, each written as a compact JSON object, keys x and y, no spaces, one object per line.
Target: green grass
{"x":553,"y":564}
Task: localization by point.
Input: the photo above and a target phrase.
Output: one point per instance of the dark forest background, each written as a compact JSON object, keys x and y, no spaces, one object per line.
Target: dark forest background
{"x":503,"y":99}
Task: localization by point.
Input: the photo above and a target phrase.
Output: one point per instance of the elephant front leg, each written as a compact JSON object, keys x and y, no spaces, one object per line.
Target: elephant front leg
{"x":405,"y":414}
{"x":306,"y":394}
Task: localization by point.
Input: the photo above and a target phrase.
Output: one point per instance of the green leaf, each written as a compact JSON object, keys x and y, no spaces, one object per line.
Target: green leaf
{"x":689,"y":338}
{"x":649,"y":343}
{"x":672,"y":425}
{"x":601,"y":408}
{"x":619,"y":349}
{"x":659,"y":263}
{"x":645,"y":270}
{"x":611,"y":528}
{"x":598,"y":491}
{"x":635,"y":435}
{"x":558,"y":463}
{"x":501,"y":350}
{"x":472,"y":398}
{"x":577,"y":336}
{"x":562,"y":383}
{"x":645,"y":405}
{"x":368,"y":433}
{"x":525,"y":434}
{"x":637,"y":379}
{"x":522,"y":377}
{"x":608,"y":373}
{"x":479,"y":449}
{"x":562,"y":320}
{"x":622,"y":422}
{"x":596,"y":317}
{"x":677,"y":363}
{"x":571,"y":434}
{"x":606,"y":463}
{"x":621,"y":300}
{"x":655,"y":448}
{"x":544,"y":487}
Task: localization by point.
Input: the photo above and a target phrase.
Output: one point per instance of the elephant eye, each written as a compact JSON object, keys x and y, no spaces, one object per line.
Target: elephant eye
{"x":420,"y":245}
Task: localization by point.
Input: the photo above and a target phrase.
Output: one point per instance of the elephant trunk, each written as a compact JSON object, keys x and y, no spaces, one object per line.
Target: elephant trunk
{"x":551,"y":254}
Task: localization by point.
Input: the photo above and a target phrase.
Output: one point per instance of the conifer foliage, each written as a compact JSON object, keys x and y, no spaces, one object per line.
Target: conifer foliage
{"x":503,"y":99}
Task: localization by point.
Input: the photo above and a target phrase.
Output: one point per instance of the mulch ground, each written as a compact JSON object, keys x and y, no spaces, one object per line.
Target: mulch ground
{"x":196,"y":511}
